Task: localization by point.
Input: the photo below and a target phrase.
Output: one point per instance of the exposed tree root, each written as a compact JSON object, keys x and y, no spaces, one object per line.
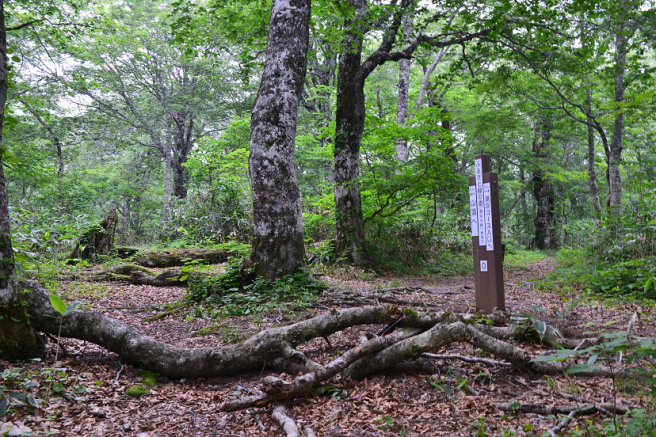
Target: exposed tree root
{"x":279,"y":415}
{"x":409,"y":337}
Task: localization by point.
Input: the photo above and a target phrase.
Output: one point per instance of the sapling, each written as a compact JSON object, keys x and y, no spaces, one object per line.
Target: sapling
{"x":64,"y":310}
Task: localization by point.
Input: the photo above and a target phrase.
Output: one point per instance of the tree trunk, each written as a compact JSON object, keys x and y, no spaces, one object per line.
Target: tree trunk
{"x":545,"y":217}
{"x":184,"y":125}
{"x":180,"y":178}
{"x":404,"y":89}
{"x":616,"y":144}
{"x":99,"y":240}
{"x":592,"y":173}
{"x":17,"y":340}
{"x":278,"y":246}
{"x":168,"y":169}
{"x":350,"y":118}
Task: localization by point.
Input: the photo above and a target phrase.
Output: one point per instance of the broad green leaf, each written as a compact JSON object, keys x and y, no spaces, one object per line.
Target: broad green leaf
{"x":71,"y":308}
{"x":57,"y":303}
{"x":540,"y":309}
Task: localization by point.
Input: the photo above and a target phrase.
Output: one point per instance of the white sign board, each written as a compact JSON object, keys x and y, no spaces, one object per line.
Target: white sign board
{"x":473,"y":211}
{"x":483,"y":265}
{"x":489,"y":240}
{"x":479,"y":203}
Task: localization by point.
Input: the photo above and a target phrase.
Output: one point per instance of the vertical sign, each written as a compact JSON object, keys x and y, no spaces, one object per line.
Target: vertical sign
{"x":473,"y":211}
{"x":486,"y":236}
{"x":489,"y":241}
{"x":479,"y":202}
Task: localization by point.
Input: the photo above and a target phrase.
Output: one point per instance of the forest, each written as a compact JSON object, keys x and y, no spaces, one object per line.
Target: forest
{"x":251,"y":217}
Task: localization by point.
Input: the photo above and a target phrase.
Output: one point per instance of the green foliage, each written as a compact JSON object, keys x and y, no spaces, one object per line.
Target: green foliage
{"x":33,"y":385}
{"x":238,"y":293}
{"x":636,"y":358}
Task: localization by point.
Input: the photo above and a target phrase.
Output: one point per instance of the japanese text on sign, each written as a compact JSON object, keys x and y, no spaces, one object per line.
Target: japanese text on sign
{"x":473,"y":211}
{"x":480,"y":208}
{"x":489,"y":240}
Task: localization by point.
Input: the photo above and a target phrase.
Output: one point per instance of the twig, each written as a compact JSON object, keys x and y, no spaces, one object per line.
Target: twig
{"x":466,"y":359}
{"x":258,"y":420}
{"x":119,"y":373}
{"x":563,"y":424}
{"x":309,"y":432}
{"x":284,"y":421}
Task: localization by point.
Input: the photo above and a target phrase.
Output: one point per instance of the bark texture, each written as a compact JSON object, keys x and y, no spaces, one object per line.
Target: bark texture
{"x":99,"y":240}
{"x":349,"y":119}
{"x":17,"y":340}
{"x":592,"y":172}
{"x":178,"y":257}
{"x":543,"y":190}
{"x":278,"y":246}
{"x":616,"y":143}
{"x":403,"y":92}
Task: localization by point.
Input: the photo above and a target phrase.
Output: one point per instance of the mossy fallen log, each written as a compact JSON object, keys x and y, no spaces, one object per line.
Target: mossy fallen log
{"x":179,"y":257}
{"x":134,"y":274}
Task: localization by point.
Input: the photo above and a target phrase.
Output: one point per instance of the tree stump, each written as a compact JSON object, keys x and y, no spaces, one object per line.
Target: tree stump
{"x":97,"y":240}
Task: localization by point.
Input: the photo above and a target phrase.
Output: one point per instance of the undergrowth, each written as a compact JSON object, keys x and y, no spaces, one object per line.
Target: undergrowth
{"x":239,"y":293}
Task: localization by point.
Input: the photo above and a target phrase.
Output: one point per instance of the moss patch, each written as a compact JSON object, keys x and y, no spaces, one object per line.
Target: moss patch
{"x":149,"y":378}
{"x":137,"y":390}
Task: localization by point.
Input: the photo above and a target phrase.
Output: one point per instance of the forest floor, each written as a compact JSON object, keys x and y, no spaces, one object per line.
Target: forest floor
{"x":456,"y":399}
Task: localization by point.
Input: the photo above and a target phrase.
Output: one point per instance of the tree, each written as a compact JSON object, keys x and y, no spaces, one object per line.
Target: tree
{"x":350,"y":115}
{"x":17,"y":340}
{"x":278,"y":246}
{"x":166,"y":99}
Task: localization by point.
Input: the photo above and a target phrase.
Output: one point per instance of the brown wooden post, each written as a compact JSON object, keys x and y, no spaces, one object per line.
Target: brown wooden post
{"x":486,"y":237}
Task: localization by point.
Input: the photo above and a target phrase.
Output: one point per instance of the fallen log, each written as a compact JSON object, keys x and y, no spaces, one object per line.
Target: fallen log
{"x":133,"y":274}
{"x":178,"y":257}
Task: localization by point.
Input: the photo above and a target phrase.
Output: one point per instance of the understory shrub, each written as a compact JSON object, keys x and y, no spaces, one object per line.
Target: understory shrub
{"x":238,"y":292}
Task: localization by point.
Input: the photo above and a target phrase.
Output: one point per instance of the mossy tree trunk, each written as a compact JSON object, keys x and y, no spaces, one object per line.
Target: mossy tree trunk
{"x":99,"y":240}
{"x":17,"y":339}
{"x":278,"y":246}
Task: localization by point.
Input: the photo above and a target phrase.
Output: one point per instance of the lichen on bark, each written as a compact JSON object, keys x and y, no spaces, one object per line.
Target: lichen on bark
{"x":278,"y":247}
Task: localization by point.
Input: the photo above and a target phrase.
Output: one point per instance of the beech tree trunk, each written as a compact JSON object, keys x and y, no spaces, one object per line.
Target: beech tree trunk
{"x":592,"y":173}
{"x":17,"y":340}
{"x":616,"y":144}
{"x":404,"y":89}
{"x":184,"y":125}
{"x":349,"y":119}
{"x":278,"y":247}
{"x":545,"y":217}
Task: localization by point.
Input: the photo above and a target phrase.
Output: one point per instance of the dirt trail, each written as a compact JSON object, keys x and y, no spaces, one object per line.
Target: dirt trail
{"x":455,"y":399}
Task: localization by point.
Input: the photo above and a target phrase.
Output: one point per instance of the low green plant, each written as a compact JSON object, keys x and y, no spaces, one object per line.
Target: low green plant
{"x":626,"y":357}
{"x":388,"y":423}
{"x":63,"y":310}
{"x":32,"y":386}
{"x":236,"y":294}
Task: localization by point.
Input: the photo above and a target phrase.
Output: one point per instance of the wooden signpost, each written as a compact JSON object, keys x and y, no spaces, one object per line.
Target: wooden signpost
{"x":486,"y":237}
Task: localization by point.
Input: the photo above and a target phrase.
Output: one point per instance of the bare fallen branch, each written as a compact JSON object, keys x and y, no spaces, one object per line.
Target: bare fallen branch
{"x":487,"y":361}
{"x":287,"y":424}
